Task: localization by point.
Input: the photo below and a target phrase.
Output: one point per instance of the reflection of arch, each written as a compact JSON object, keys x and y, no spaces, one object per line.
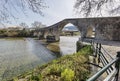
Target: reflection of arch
{"x":90,"y":32}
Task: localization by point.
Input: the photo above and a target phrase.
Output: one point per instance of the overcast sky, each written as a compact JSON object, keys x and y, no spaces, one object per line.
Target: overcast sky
{"x":57,"y":11}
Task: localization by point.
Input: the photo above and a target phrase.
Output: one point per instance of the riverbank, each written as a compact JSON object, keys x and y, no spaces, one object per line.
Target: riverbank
{"x":67,"y":68}
{"x":53,"y":46}
{"x":66,"y":45}
{"x":12,"y":38}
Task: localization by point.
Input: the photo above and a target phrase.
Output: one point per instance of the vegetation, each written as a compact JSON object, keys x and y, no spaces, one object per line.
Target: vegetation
{"x":67,"y":75}
{"x":97,"y":7}
{"x":16,"y":33}
{"x":3,"y":33}
{"x":67,"y":68}
{"x":22,"y":30}
{"x":37,"y":25}
{"x":79,"y":45}
{"x":23,"y":33}
{"x":70,"y":33}
{"x":7,"y":6}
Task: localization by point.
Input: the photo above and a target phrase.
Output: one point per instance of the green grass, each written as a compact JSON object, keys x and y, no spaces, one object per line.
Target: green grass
{"x":67,"y":68}
{"x":13,"y":38}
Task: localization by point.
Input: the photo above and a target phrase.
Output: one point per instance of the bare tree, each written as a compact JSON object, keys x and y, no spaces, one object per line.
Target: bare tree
{"x":92,"y":7}
{"x":7,"y":6}
{"x":37,"y":25}
{"x":23,"y":25}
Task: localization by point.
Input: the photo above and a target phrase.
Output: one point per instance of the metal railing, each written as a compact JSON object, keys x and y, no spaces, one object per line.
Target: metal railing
{"x":110,"y":66}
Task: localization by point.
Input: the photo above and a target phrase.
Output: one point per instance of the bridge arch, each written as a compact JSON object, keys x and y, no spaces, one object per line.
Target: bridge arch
{"x":56,"y":29}
{"x":70,"y":28}
{"x":90,"y":32}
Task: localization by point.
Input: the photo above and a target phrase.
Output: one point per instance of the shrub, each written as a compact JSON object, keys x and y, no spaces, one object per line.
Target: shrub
{"x":67,"y":75}
{"x":55,"y":69}
{"x":36,"y":78}
{"x":40,"y":77}
{"x":86,"y":50}
{"x":79,"y":46}
{"x":15,"y":79}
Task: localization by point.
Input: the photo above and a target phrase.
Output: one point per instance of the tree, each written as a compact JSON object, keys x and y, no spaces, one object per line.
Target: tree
{"x":37,"y":25}
{"x":99,"y":7}
{"x":23,"y":25}
{"x":6,"y":7}
{"x":25,"y":31}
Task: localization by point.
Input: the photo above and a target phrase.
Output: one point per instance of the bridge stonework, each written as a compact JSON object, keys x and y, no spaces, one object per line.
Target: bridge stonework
{"x":105,"y":28}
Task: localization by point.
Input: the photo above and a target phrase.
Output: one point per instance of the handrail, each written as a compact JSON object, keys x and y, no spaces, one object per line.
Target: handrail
{"x":105,"y":60}
{"x":102,"y":58}
{"x":107,"y":53}
{"x":99,"y":73}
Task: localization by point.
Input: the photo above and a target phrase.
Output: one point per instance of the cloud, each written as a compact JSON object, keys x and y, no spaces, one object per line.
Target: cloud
{"x":57,"y":11}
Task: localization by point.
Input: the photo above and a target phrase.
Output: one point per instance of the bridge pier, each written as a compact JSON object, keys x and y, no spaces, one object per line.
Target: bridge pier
{"x":53,"y":38}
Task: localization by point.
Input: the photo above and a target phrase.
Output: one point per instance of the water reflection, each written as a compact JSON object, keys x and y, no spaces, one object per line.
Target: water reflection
{"x":17,"y":56}
{"x":68,"y":44}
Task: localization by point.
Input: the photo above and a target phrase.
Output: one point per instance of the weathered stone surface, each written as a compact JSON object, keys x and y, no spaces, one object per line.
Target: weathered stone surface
{"x":106,"y":28}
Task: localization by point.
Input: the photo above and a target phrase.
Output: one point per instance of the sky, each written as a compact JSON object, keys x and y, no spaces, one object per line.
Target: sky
{"x":57,"y":10}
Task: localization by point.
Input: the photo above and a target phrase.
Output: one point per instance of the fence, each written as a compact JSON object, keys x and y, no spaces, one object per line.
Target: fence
{"x":106,"y":62}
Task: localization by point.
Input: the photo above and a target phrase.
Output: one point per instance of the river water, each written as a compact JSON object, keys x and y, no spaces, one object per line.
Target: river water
{"x":20,"y":55}
{"x":68,"y":44}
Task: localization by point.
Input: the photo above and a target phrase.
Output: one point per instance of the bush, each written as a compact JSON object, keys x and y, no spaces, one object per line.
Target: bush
{"x":34,"y":78}
{"x":40,"y":77}
{"x":15,"y":79}
{"x":79,"y":46}
{"x":86,"y":50}
{"x":67,"y":75}
{"x":55,"y":69}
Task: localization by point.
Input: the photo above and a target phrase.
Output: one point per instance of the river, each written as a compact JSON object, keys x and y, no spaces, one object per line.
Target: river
{"x":20,"y":55}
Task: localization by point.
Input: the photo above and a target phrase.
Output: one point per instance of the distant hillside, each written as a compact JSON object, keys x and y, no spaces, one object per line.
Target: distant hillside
{"x":70,"y":28}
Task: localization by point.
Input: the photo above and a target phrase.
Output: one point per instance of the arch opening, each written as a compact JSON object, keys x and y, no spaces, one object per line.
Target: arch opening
{"x":69,"y":30}
{"x":90,"y":32}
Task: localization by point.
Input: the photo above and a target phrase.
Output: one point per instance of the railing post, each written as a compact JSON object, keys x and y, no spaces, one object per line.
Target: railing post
{"x":96,"y":51}
{"x":117,"y":66}
{"x":99,"y":53}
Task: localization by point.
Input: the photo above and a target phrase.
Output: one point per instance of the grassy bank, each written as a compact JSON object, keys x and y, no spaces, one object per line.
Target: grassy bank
{"x":67,"y":68}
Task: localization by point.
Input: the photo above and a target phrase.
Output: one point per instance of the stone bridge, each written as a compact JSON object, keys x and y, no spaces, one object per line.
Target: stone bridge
{"x":106,"y":30}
